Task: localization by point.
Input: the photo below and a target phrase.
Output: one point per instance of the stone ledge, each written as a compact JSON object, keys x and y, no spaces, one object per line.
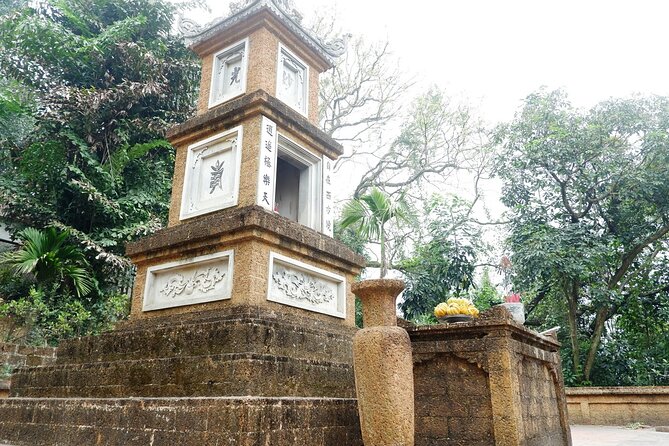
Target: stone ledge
{"x":246,"y":219}
{"x":479,"y":328}
{"x":258,"y":102}
{"x":612,"y":391}
{"x":281,"y":335}
{"x":618,"y":406}
{"x":233,"y":313}
{"x":207,"y":375}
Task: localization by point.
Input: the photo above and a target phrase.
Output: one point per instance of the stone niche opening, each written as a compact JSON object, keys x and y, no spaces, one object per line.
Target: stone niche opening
{"x":297,"y":193}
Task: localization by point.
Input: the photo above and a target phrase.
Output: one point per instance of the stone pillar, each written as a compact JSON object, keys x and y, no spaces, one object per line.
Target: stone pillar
{"x":383,"y":367}
{"x":504,"y":395}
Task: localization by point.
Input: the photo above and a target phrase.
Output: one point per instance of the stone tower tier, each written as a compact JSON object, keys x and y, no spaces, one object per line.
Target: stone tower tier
{"x":253,"y":104}
{"x":239,"y":352}
{"x":254,"y":150}
{"x":244,"y":256}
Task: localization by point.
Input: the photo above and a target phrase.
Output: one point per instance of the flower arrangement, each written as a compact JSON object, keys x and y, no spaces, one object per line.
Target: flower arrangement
{"x":513,"y":298}
{"x":456,"y":306}
{"x":515,"y":306}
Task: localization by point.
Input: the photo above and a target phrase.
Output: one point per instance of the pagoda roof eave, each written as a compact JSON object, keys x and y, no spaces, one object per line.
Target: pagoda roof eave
{"x":328,"y":52}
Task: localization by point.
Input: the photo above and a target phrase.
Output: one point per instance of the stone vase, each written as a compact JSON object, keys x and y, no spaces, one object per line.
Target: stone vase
{"x":383,"y":367}
{"x":517,"y":310}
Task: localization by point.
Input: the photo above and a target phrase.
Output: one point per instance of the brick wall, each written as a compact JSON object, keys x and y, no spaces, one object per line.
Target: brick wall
{"x":455,"y":406}
{"x":23,"y":355}
{"x":540,"y":405}
{"x":247,"y":421}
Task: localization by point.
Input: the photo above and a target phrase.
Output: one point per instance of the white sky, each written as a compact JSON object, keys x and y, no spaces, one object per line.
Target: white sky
{"x":496,"y":52}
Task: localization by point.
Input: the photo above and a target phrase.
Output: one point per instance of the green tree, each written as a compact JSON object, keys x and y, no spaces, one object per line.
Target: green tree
{"x":486,"y":294}
{"x":369,"y":215}
{"x":50,"y":260}
{"x":96,"y":84}
{"x":108,"y":78}
{"x":589,"y":195}
{"x":49,"y":291}
{"x":444,"y":263}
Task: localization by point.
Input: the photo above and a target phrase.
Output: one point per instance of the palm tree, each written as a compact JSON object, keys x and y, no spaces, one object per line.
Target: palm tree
{"x":48,"y":257}
{"x":369,"y":214}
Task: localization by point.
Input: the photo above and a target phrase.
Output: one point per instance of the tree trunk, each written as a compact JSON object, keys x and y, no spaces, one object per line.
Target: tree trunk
{"x":571,"y":290}
{"x":595,"y":339}
{"x":384,"y":264}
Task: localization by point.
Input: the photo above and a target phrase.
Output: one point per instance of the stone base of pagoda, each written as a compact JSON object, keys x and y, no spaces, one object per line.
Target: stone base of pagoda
{"x":242,"y":421}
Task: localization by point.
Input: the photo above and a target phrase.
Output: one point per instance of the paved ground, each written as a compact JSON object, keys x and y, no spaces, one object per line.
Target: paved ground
{"x":617,"y":436}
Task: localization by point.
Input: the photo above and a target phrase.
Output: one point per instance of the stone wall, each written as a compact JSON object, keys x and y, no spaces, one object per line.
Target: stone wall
{"x":539,"y":398}
{"x":618,"y":406}
{"x":491,"y":382}
{"x":13,"y":356}
{"x":247,"y":421}
{"x":455,"y":405}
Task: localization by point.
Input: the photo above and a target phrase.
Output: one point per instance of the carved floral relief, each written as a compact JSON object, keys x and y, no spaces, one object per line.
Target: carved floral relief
{"x":305,"y":286}
{"x":192,"y":281}
{"x":299,"y":286}
{"x":202,"y":281}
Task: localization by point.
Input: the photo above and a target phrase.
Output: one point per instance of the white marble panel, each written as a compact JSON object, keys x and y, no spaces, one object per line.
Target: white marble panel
{"x":211,"y":180}
{"x":292,"y":83}
{"x":228,"y":79}
{"x":298,"y":284}
{"x":187,"y":282}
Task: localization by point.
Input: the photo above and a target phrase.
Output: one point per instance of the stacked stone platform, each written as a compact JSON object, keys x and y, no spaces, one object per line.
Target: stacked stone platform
{"x":242,"y":421}
{"x":264,"y":354}
{"x":245,"y":376}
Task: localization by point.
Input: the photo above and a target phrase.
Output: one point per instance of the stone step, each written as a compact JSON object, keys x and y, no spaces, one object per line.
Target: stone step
{"x":207,"y":375}
{"x":240,"y":421}
{"x":217,"y":334}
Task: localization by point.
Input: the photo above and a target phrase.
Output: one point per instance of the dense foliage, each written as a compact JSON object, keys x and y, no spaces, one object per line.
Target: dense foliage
{"x":89,"y":89}
{"x":589,"y":195}
{"x":442,"y":266}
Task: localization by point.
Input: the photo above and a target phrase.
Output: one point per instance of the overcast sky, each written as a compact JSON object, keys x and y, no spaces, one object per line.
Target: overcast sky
{"x":496,"y":52}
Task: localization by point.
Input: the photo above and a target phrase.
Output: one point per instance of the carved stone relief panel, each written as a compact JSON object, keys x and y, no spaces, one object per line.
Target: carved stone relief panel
{"x":292,"y":80}
{"x":188,"y":282}
{"x":228,"y":75}
{"x":211,"y":180}
{"x":295,"y":283}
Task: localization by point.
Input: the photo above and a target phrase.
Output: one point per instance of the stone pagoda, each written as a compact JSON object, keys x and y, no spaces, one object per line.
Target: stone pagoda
{"x":242,"y":316}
